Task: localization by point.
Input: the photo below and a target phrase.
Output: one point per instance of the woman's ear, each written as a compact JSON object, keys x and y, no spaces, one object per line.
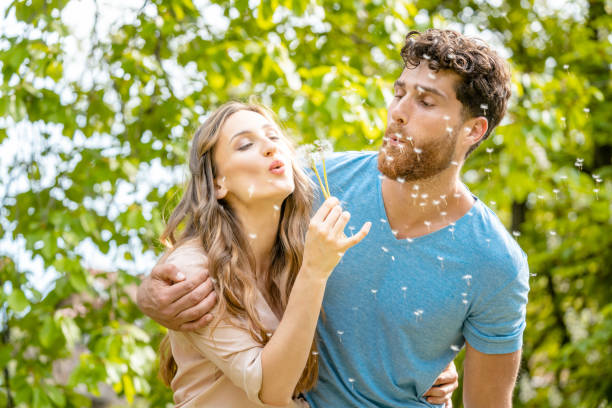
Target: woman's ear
{"x":220,"y":189}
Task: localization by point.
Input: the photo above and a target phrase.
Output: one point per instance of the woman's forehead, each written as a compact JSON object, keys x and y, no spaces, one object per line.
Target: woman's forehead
{"x":244,"y":120}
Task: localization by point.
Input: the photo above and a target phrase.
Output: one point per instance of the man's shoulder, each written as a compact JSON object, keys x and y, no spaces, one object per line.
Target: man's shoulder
{"x":350,"y":162}
{"x":495,"y":244}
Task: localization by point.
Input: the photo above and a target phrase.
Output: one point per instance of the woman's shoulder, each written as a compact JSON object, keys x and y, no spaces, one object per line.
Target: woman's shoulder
{"x":186,"y":255}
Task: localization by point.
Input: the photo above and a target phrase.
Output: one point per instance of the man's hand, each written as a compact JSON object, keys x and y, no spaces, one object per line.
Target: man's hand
{"x":442,"y":390}
{"x":175,"y":302}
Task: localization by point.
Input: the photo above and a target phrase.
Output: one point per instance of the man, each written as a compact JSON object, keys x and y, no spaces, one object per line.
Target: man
{"x":437,"y":271}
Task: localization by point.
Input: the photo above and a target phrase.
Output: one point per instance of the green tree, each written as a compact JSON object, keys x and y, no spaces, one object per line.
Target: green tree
{"x":93,"y":141}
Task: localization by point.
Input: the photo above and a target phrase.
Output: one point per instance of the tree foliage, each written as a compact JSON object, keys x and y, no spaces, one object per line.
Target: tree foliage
{"x":95,"y":123}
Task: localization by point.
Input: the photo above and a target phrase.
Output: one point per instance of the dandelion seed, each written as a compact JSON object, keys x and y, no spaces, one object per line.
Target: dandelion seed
{"x":384,"y":249}
{"x":454,"y":163}
{"x":596,"y":191}
{"x":449,"y":129}
{"x":340,"y":333}
{"x":415,"y":187}
{"x":315,"y":353}
{"x":451,"y":56}
{"x":465,"y":302}
{"x":565,"y":67}
{"x":579,"y":163}
{"x":586,"y":110}
{"x":556,"y":191}
{"x":431,"y":76}
{"x":436,"y":202}
{"x":383,"y":220}
{"x":493,"y":203}
{"x":488,"y":240}
{"x":409,"y":240}
{"x":424,"y":196}
{"x":489,"y":150}
{"x":418,"y":153}
{"x":414,"y":195}
{"x":252,"y":236}
{"x":516,"y":234}
{"x":443,"y":213}
{"x":427,"y":224}
{"x":352,"y":381}
{"x":552,"y":233}
{"x":467,"y":278}
{"x":276,"y":207}
{"x":392,"y":257}
{"x":418,"y":313}
{"x":457,"y":195}
{"x":446,"y":117}
{"x":251,"y":190}
{"x":441,"y":259}
{"x":374,"y":291}
{"x":455,"y":348}
{"x":269,"y":334}
{"x":443,"y":198}
{"x":404,"y":289}
{"x":401,"y":180}
{"x":427,"y":57}
{"x":452,"y":231}
{"x":394,"y":232}
{"x":533,"y":274}
{"x":420,"y":90}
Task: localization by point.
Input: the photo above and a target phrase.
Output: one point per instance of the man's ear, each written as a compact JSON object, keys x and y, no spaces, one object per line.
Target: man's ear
{"x":474,"y":130}
{"x":220,"y":189}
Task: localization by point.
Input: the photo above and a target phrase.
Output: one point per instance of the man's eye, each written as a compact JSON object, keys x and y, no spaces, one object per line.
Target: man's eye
{"x":426,"y":103}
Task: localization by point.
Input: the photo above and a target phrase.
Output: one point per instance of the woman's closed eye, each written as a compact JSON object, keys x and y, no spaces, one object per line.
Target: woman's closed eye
{"x":245,"y":145}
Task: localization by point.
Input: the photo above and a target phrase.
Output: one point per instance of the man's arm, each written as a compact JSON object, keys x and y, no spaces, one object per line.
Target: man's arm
{"x":175,"y":302}
{"x":488,"y":379}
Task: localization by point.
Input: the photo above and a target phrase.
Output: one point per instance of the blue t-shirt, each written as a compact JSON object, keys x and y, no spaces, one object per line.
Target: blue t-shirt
{"x":396,"y":312}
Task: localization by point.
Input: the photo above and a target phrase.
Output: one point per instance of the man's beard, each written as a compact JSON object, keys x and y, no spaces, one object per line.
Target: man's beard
{"x":402,"y":163}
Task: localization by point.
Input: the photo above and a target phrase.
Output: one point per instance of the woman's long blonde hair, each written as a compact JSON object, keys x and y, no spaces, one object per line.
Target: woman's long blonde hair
{"x":231,"y":263}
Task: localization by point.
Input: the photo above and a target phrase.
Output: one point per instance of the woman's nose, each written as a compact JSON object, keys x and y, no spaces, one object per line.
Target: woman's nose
{"x":269,"y":148}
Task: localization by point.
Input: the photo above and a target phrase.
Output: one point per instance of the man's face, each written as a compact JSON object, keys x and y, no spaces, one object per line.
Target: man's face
{"x":423,"y":122}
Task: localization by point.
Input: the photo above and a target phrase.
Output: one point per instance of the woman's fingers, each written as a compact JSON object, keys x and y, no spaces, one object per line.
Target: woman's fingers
{"x":343,"y":219}
{"x":324,"y":210}
{"x":331,"y":219}
{"x":355,"y":239}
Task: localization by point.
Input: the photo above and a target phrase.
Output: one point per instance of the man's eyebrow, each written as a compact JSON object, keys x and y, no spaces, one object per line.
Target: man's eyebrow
{"x":421,"y":88}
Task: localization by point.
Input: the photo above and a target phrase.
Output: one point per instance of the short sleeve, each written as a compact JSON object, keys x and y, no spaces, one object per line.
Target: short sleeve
{"x":495,"y":325}
{"x":234,"y":352}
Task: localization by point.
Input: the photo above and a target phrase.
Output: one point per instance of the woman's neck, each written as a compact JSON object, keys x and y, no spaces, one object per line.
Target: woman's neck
{"x":260,"y":222}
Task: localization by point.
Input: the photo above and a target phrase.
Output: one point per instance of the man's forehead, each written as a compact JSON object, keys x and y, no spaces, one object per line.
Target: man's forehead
{"x":444,"y":79}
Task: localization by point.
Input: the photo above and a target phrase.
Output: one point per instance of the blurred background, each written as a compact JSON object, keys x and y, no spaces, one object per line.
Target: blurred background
{"x":98,"y":102}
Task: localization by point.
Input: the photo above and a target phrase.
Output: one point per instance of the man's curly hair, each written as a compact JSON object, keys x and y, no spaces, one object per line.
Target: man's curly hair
{"x":485,"y":86}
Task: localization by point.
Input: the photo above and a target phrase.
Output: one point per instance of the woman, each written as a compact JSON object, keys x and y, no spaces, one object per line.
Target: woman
{"x":246,"y":213}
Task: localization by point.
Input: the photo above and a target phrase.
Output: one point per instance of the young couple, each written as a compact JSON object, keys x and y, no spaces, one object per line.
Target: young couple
{"x":425,"y":268}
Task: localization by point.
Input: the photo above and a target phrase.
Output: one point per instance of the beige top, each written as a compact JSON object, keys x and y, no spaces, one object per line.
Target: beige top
{"x":222,"y":368}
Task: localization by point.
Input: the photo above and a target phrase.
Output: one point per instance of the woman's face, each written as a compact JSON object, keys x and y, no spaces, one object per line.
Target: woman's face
{"x":253,"y":160}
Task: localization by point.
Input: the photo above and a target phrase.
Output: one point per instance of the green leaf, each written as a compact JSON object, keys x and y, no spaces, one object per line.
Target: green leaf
{"x":17,"y":300}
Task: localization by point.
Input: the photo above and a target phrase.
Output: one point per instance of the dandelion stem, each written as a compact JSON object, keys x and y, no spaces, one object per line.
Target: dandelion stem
{"x":314,"y":167}
{"x":325,"y":175}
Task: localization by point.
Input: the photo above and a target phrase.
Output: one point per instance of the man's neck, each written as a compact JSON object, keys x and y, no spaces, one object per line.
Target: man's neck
{"x":420,"y":207}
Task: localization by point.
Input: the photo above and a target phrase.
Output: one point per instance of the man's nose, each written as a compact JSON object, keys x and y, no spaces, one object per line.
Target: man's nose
{"x":400,"y":112}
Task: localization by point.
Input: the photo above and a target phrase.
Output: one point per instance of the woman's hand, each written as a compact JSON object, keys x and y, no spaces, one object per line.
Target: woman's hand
{"x":325,"y":240}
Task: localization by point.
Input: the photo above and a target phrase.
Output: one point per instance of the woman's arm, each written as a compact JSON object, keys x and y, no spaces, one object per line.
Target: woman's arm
{"x":284,"y":357}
